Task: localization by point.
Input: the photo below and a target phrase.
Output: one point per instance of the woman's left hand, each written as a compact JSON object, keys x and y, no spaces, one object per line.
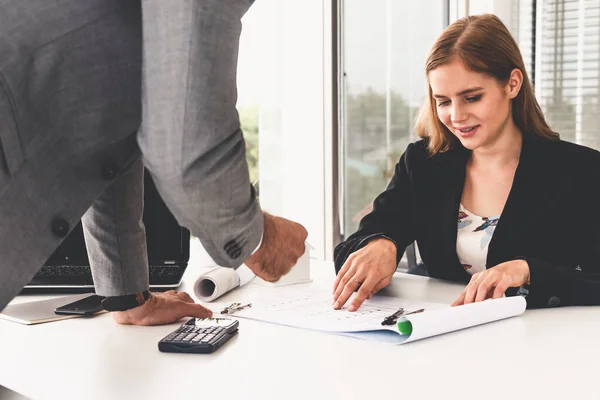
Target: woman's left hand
{"x":493,"y":282}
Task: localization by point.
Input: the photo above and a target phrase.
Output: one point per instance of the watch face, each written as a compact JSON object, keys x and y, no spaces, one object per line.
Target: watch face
{"x":210,"y":322}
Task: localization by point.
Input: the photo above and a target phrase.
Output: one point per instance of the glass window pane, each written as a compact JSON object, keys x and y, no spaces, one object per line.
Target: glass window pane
{"x":568,"y":86}
{"x":384,"y":46}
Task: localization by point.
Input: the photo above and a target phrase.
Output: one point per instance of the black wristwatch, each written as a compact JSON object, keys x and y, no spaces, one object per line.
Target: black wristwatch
{"x":127,"y":302}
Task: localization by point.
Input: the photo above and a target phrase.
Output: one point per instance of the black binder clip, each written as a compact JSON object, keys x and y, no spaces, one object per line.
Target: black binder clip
{"x":391,"y":319}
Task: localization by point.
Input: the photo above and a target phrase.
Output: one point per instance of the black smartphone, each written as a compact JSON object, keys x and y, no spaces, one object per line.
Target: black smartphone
{"x":87,"y":306}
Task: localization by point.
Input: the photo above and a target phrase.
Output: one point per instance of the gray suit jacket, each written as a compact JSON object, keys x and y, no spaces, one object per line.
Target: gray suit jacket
{"x":82,"y":91}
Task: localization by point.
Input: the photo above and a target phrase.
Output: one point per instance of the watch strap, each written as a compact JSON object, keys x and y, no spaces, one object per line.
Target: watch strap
{"x":126,"y":302}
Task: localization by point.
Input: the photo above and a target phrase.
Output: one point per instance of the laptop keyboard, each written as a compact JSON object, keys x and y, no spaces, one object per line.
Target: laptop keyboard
{"x":74,"y":275}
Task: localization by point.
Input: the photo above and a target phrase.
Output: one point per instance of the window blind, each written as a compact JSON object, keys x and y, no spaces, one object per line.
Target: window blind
{"x":568,"y":85}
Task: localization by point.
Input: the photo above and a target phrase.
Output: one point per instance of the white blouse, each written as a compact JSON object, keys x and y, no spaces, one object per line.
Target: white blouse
{"x":472,"y":240}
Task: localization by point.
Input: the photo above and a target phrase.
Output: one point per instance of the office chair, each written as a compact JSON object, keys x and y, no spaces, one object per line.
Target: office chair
{"x":413,"y":266}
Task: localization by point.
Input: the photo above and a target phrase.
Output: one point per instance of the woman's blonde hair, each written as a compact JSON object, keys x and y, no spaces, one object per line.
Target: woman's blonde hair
{"x":483,"y":44}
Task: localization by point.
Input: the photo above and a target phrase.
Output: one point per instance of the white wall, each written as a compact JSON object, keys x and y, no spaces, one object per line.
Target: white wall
{"x":6,"y":394}
{"x":294,"y":116}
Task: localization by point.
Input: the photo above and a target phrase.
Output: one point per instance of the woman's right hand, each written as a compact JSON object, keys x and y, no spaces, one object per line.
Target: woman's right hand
{"x":371,"y":267}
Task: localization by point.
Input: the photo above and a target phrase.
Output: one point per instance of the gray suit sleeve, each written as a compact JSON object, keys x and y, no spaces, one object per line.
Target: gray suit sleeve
{"x":190,"y":136}
{"x":115,"y":236}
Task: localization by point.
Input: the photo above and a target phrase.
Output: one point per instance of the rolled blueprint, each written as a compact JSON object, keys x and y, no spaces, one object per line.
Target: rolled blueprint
{"x":216,"y":282}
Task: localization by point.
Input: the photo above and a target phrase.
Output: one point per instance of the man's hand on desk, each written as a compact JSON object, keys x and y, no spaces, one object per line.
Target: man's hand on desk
{"x":282,"y":245}
{"x":371,"y":268}
{"x":162,"y":308}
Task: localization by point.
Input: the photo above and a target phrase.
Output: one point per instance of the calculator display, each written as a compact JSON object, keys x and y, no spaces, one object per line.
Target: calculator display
{"x":211,"y":322}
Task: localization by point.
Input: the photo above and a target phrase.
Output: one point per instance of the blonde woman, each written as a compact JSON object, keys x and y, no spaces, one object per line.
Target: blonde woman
{"x":491,"y":194}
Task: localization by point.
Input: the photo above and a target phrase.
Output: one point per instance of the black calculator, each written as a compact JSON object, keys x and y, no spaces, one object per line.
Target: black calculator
{"x":199,"y":335}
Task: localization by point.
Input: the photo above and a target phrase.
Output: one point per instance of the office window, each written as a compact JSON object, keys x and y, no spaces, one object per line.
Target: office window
{"x":560,"y":44}
{"x":521,"y":26}
{"x":384,"y":45}
{"x":568,"y":77}
{"x":518,"y":16}
{"x":282,"y":106}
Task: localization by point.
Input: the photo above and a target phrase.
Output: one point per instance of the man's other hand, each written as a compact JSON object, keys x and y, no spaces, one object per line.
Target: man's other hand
{"x":281,"y":247}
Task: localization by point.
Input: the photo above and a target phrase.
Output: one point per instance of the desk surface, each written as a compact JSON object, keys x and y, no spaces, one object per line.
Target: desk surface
{"x":541,"y":354}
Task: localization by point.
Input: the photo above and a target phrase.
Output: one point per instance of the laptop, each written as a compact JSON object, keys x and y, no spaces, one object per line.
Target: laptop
{"x":68,"y":268}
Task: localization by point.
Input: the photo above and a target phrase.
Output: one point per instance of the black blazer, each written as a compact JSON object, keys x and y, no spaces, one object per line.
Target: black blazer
{"x":551,"y":218}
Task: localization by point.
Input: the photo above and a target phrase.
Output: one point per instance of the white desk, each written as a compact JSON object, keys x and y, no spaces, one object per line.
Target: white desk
{"x":542,"y":354}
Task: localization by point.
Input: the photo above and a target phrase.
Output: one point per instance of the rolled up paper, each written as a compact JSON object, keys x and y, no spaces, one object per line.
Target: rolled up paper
{"x":216,"y":282}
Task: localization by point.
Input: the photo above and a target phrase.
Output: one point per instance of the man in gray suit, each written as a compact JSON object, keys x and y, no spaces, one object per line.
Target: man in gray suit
{"x":93,"y":91}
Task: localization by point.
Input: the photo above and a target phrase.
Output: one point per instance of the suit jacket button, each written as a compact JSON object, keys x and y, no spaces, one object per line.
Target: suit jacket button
{"x":60,"y":227}
{"x":554,"y":302}
{"x":110,"y":171}
{"x":232,"y":249}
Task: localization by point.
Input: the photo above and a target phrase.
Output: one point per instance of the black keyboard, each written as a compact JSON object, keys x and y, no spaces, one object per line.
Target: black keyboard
{"x":166,"y":274}
{"x":81,"y":275}
{"x":199,"y":335}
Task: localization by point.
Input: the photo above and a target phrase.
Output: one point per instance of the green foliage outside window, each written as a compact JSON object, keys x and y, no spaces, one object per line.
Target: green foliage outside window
{"x":369,"y":164}
{"x":249,"y":124}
